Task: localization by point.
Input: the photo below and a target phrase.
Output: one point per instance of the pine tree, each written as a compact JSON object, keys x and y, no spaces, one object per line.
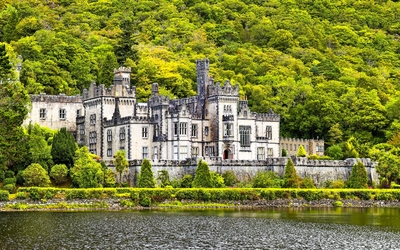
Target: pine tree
{"x":301,"y":152}
{"x":290,"y":177}
{"x":146,"y":178}
{"x":358,"y":176}
{"x":203,"y":176}
{"x":63,"y":148}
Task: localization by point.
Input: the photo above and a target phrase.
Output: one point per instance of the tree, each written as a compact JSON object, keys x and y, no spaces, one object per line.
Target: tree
{"x":14,"y":106}
{"x":5,"y":65}
{"x":87,"y":172}
{"x":203,"y":176}
{"x":301,"y":152}
{"x":36,"y":176}
{"x":358,"y":176}
{"x":63,"y":148}
{"x":290,"y":177}
{"x":163,"y":177}
{"x":217,"y":181}
{"x":59,"y":173}
{"x":388,"y":168}
{"x":146,"y":178}
{"x":187,"y":181}
{"x":229,"y":178}
{"x":335,"y":152}
{"x":121,"y":164}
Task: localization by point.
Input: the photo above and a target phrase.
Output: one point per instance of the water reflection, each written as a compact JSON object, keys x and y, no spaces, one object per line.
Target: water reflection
{"x":324,"y":228}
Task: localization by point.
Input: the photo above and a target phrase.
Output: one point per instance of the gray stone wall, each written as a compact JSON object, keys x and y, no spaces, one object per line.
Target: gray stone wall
{"x":245,"y":170}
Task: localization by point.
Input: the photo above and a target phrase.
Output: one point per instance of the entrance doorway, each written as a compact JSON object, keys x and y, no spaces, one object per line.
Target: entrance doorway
{"x":227,"y":154}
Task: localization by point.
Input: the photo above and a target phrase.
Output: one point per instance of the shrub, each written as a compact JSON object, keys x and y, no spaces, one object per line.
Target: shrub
{"x":9,"y":187}
{"x":203,"y":176}
{"x":307,"y":183}
{"x":358,"y":177}
{"x":176,"y":183}
{"x":9,"y":174}
{"x":7,"y":181}
{"x":301,"y":152}
{"x":163,"y":177}
{"x":145,"y":202}
{"x":126,"y":203}
{"x":290,"y":177}
{"x":338,"y":184}
{"x":4,"y":195}
{"x":22,"y":195}
{"x":34,"y":193}
{"x":187,"y":181}
{"x":59,"y":173}
{"x":381,"y":196}
{"x":284,"y":152}
{"x":36,"y":175}
{"x":337,"y":204}
{"x":216,"y":180}
{"x":146,"y":178}
{"x":229,"y":178}
{"x":267,"y":179}
{"x":109,"y":178}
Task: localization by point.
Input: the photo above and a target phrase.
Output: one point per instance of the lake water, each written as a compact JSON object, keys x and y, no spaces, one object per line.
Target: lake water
{"x":333,"y":228}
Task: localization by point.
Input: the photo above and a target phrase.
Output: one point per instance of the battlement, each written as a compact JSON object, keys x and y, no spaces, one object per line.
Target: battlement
{"x":227,"y":89}
{"x":61,"y":98}
{"x":123,"y":69}
{"x":99,"y":91}
{"x":267,"y":117}
{"x":300,"y":140}
{"x":203,"y":64}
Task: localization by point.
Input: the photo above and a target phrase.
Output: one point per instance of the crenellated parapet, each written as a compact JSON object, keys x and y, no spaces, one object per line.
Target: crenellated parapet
{"x":270,"y":117}
{"x":61,"y":98}
{"x":95,"y":91}
{"x":223,"y":90}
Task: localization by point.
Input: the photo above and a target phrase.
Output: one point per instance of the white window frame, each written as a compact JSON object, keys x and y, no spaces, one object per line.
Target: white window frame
{"x":145,"y":153}
{"x":62,"y":114}
{"x":42,"y":114}
{"x":145,"y":132}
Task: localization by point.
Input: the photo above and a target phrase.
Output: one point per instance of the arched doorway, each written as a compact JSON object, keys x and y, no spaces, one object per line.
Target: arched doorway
{"x":226,"y":154}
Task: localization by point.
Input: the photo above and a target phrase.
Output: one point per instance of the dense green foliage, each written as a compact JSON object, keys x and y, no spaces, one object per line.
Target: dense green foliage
{"x":87,"y":172}
{"x":187,"y":181}
{"x":229,"y":178}
{"x":358,"y":176}
{"x":163,"y":177}
{"x":59,"y":173}
{"x":217,"y":181}
{"x":146,"y":178}
{"x":290,"y":177}
{"x":267,"y":179}
{"x":329,"y":68}
{"x":203,"y":176}
{"x":121,"y":163}
{"x":4,"y":195}
{"x":63,"y":148}
{"x":35,"y":175}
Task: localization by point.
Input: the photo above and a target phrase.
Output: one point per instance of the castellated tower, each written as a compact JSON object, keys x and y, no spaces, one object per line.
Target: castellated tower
{"x":122,"y":76}
{"x":202,"y":69}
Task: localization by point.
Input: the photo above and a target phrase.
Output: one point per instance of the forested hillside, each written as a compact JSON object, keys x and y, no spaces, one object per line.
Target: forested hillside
{"x":329,"y":67}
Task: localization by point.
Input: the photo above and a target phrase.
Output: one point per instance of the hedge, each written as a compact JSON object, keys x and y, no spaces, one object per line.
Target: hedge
{"x":157,"y":195}
{"x":4,"y":195}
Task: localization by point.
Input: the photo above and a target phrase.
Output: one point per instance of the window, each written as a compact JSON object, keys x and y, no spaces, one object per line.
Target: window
{"x":183,"y":152}
{"x":194,"y":130}
{"x":93,"y":119}
{"x":145,"y":152}
{"x":82,"y":129}
{"x":320,"y":149}
{"x":183,"y":128}
{"x":244,"y":133}
{"x":270,"y":152}
{"x":155,"y":153}
{"x":175,"y":128}
{"x":210,"y":151}
{"x":145,"y":132}
{"x":227,"y":108}
{"x":206,"y":130}
{"x":228,"y":127}
{"x":63,"y":114}
{"x":260,"y":153}
{"x":175,"y":152}
{"x":92,"y":137}
{"x":78,"y":112}
{"x":290,"y":147}
{"x":156,"y":130}
{"x":42,"y":114}
{"x":109,"y":152}
{"x":195,"y":151}
{"x":268,"y":132}
{"x":109,"y":135}
{"x":122,"y":133}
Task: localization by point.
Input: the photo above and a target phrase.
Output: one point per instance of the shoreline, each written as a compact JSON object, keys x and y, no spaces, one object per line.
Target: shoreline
{"x":116,"y":205}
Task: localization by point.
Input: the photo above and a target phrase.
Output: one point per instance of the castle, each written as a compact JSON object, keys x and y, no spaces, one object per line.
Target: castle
{"x":215,"y":123}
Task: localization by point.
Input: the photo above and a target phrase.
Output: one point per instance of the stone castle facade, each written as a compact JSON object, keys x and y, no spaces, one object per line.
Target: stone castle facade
{"x":215,"y":123}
